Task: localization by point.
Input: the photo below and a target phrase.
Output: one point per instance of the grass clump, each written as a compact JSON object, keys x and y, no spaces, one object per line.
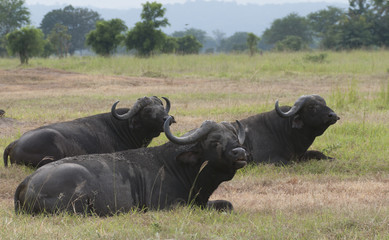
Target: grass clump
{"x":316,"y":58}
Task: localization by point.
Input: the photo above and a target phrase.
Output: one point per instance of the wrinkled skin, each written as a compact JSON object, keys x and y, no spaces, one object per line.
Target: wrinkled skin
{"x":274,"y":139}
{"x":101,"y":133}
{"x":146,"y":179}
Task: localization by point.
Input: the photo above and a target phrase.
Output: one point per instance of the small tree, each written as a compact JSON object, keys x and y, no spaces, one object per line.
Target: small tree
{"x":252,"y":43}
{"x":188,"y":45}
{"x":146,"y":37}
{"x":236,"y":43}
{"x":106,"y":37}
{"x":26,"y":42}
{"x":291,"y":25}
{"x":170,"y":45}
{"x":13,"y":15}
{"x":290,"y":43}
{"x":60,"y":39}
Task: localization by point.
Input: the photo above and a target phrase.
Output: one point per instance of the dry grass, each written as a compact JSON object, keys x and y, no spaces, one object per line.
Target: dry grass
{"x":296,"y":193}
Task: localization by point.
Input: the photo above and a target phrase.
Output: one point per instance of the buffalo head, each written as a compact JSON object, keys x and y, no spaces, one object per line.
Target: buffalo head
{"x":217,"y":143}
{"x":311,"y":112}
{"x":147,"y":111}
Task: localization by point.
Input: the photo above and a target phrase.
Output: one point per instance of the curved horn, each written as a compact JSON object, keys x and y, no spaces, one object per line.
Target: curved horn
{"x":167,"y":109}
{"x":241,"y":133}
{"x":137,"y":106}
{"x":203,"y":130}
{"x":296,"y":107}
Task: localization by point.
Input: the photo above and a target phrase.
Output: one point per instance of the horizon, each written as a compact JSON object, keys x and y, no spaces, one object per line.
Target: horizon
{"x":124,"y":4}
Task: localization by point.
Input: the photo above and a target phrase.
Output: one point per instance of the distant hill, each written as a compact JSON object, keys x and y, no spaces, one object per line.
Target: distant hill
{"x":227,"y":17}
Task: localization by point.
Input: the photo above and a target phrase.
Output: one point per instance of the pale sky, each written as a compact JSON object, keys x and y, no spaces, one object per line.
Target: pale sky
{"x":125,"y":4}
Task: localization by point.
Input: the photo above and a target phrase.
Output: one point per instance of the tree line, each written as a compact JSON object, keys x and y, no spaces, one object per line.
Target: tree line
{"x":364,"y":25}
{"x":64,"y":31}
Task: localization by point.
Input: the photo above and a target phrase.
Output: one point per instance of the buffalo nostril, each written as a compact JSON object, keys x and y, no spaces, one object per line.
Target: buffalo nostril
{"x":238,"y":152}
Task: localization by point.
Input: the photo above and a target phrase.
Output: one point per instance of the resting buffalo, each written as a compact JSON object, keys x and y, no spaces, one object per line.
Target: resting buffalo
{"x":284,"y":134}
{"x":119,"y":130}
{"x":185,"y":170}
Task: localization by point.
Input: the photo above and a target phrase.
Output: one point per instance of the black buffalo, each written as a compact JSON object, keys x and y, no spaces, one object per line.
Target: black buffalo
{"x":119,"y":130}
{"x":185,"y":170}
{"x":285,"y":134}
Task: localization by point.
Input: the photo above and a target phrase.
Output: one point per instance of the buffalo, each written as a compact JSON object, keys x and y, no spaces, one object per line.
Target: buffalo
{"x":285,"y":134}
{"x":122,"y":129}
{"x":184,"y":171}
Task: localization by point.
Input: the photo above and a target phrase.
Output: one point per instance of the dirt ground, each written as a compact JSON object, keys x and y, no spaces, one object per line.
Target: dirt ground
{"x":256,"y":194}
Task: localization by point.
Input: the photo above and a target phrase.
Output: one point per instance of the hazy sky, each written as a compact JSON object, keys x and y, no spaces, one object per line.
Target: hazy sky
{"x":124,"y":4}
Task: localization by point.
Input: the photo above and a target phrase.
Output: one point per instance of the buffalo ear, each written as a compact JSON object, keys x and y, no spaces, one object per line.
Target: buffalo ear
{"x":189,"y":157}
{"x":297,"y":122}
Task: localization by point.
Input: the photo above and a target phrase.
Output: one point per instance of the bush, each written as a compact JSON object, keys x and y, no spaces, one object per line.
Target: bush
{"x":319,"y":58}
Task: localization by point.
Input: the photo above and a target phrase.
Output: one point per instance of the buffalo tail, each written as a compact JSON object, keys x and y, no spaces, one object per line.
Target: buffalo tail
{"x":7,"y":151}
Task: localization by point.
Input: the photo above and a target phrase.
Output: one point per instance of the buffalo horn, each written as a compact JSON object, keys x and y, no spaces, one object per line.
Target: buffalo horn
{"x":167,"y":109}
{"x":205,"y":128}
{"x":141,"y":103}
{"x":241,"y":133}
{"x":296,"y":107}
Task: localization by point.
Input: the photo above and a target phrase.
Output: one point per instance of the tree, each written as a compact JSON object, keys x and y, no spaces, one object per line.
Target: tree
{"x":237,"y":42}
{"x":79,"y":22}
{"x":26,"y":42}
{"x":380,"y":9}
{"x":106,"y":37}
{"x":13,"y":15}
{"x":188,"y":45}
{"x":219,"y":36}
{"x":291,"y":25}
{"x":60,"y":39}
{"x":323,"y":23}
{"x":354,"y":33}
{"x":290,"y":43}
{"x":170,"y":45}
{"x":357,"y":28}
{"x":199,"y":34}
{"x":252,"y":43}
{"x":152,"y":12}
{"x":146,"y":37}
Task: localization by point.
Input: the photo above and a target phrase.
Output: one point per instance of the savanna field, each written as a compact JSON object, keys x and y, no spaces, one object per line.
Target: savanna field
{"x":347,"y":198}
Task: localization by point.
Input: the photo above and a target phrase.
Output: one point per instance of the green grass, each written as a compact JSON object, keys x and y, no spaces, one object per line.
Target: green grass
{"x":219,"y":66}
{"x":187,"y":223}
{"x":221,"y":88}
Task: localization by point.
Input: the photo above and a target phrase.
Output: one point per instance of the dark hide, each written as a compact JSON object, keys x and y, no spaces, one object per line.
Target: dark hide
{"x":146,"y":179}
{"x":274,"y":139}
{"x":100,"y":133}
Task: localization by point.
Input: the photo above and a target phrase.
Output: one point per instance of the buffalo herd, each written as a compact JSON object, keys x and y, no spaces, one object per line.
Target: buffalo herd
{"x":101,"y":164}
